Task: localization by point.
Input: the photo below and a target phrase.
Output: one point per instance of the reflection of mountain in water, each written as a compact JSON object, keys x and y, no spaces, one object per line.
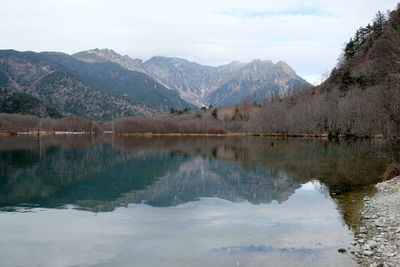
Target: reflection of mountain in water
{"x":201,"y":177}
{"x":102,"y":173}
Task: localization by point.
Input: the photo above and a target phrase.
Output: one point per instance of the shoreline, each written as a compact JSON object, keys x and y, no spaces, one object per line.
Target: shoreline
{"x":279,"y":135}
{"x":377,"y":242}
{"x":150,"y":134}
{"x":41,"y":133}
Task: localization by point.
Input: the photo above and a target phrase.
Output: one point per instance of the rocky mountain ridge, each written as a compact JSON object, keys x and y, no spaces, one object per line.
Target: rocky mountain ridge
{"x":256,"y":81}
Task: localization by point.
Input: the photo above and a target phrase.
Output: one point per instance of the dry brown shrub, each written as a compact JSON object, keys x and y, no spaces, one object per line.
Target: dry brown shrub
{"x":392,"y":171}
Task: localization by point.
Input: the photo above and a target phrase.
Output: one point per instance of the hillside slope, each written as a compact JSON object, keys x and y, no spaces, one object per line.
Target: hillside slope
{"x":74,"y":97}
{"x":112,"y":78}
{"x":371,"y":58}
{"x":94,"y":90}
{"x":21,"y":103}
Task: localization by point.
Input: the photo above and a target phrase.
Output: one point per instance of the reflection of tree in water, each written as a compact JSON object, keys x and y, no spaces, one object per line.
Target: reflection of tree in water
{"x":333,"y":163}
{"x":101,"y":173}
{"x":79,"y":169}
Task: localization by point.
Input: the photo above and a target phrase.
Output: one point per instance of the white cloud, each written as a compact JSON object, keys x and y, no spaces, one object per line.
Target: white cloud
{"x":308,"y":35}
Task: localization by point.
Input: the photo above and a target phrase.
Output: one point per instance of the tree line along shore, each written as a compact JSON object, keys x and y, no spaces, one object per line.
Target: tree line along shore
{"x":240,"y":120}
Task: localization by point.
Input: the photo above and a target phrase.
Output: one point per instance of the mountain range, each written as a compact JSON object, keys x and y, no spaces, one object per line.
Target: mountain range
{"x":102,"y":84}
{"x":200,"y":85}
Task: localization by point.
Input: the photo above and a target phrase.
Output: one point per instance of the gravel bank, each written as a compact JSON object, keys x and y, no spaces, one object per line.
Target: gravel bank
{"x":378,"y":240}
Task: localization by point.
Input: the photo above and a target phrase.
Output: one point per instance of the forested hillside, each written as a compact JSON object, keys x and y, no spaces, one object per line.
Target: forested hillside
{"x":74,"y":97}
{"x":97,"y":91}
{"x":21,"y":103}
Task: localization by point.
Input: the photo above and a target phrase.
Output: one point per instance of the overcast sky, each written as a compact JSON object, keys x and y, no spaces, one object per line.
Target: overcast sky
{"x":308,"y":35}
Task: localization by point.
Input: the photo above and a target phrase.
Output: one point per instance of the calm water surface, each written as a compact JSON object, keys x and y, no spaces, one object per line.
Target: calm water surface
{"x":174,"y":201}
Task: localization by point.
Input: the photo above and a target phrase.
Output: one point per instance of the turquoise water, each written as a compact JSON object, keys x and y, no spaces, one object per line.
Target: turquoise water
{"x":174,"y":201}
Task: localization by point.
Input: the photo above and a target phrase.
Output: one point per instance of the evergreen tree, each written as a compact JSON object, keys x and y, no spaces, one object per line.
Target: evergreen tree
{"x":214,"y":113}
{"x":379,"y":22}
{"x":350,"y":49}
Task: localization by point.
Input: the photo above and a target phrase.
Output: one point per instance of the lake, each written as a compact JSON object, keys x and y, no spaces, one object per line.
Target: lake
{"x":182,"y":201}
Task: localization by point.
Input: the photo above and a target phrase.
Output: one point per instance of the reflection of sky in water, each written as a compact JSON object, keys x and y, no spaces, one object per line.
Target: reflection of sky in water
{"x":305,"y":230}
{"x":263,"y":249}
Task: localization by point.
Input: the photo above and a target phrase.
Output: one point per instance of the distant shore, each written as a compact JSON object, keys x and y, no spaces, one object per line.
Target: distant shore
{"x":34,"y":133}
{"x":149,"y":134}
{"x":305,"y":135}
